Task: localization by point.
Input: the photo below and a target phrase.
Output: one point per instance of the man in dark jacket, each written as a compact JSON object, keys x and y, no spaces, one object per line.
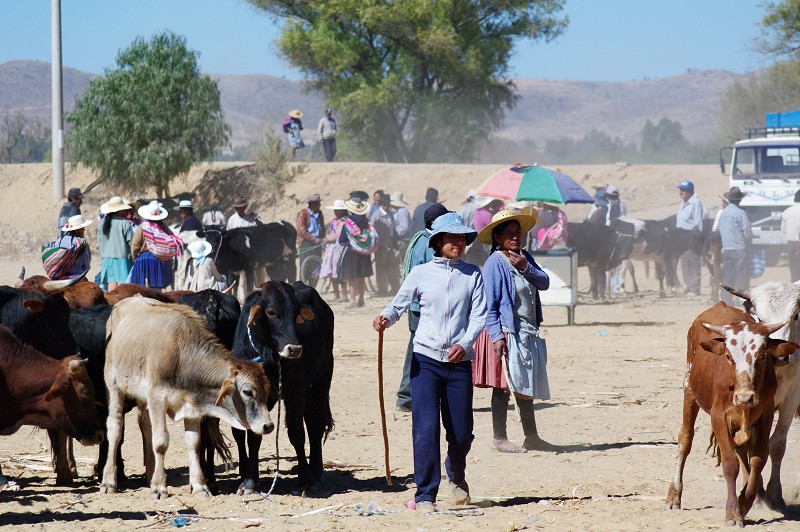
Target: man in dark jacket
{"x":71,"y":208}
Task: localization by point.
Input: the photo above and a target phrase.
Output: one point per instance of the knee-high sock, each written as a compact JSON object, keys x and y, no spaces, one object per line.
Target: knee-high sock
{"x":499,"y":413}
{"x":528,"y":417}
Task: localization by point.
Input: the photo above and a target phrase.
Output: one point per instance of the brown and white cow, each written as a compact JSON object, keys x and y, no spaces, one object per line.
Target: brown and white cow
{"x":778,"y":302}
{"x":163,"y":356}
{"x":78,"y":293}
{"x":730,"y":375}
{"x":41,"y":391}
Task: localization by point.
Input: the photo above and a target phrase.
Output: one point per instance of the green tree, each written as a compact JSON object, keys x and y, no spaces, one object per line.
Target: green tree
{"x":276,"y":168}
{"x":666,"y":136}
{"x":23,"y":139}
{"x":780,"y":28}
{"x":147,"y":121}
{"x":414,"y":80}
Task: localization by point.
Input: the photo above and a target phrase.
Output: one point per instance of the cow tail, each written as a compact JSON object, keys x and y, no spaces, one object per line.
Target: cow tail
{"x":328,"y":424}
{"x":714,"y":447}
{"x":220,"y":443}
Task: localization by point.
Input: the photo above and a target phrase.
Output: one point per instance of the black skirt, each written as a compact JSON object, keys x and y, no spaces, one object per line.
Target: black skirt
{"x":354,"y":265}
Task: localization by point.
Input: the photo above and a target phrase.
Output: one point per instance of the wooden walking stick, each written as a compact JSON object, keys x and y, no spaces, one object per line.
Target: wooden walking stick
{"x":383,"y":409}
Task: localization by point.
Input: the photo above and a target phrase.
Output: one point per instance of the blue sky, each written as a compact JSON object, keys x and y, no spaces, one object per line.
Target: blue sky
{"x":607,"y":40}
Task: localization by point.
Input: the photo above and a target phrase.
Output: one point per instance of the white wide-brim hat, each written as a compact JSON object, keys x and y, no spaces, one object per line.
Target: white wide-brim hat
{"x":76,"y":222}
{"x":526,"y":222}
{"x":115,"y":204}
{"x":184,"y":204}
{"x":338,"y":205}
{"x":153,"y":211}
{"x":396,"y":200}
{"x":199,"y":248}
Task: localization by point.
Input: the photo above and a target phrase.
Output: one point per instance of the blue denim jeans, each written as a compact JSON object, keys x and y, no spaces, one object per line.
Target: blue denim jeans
{"x":440,"y":389}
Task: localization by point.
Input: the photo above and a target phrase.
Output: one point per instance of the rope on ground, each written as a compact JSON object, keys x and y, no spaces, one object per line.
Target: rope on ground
{"x":372,"y":509}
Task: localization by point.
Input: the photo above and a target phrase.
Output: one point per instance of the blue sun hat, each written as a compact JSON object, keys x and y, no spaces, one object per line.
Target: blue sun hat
{"x":451,"y":222}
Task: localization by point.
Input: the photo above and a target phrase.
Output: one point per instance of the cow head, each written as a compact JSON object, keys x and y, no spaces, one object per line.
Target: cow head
{"x":72,"y":397}
{"x":774,"y":302}
{"x":38,"y":319}
{"x":243,"y":396}
{"x":268,"y":323}
{"x":749,"y":352}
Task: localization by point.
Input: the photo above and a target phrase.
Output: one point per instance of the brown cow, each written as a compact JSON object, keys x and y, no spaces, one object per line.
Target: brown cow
{"x":730,"y":374}
{"x":78,"y":293}
{"x":126,"y":290}
{"x":163,"y":356}
{"x":41,"y":391}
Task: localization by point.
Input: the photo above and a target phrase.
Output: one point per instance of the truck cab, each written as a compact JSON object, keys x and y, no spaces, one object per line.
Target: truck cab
{"x":766,"y":167}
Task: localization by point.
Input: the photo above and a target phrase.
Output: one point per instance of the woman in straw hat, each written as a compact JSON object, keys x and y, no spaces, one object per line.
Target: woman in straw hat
{"x":114,"y":240}
{"x":361,"y":240}
{"x":293,"y":127}
{"x":334,"y":250}
{"x":452,"y":314}
{"x":153,"y":248}
{"x":514,"y":313}
{"x":73,"y":239}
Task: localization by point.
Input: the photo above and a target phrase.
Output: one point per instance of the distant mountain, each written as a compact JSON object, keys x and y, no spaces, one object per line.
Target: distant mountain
{"x":546,"y":110}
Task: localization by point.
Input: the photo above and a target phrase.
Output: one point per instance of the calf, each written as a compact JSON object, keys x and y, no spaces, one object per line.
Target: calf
{"x":38,"y":390}
{"x":778,"y":302}
{"x":730,"y":375}
{"x":163,"y":356}
{"x":80,"y":294}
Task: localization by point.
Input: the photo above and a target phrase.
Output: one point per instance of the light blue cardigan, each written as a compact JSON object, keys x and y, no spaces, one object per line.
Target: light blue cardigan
{"x":500,"y":291}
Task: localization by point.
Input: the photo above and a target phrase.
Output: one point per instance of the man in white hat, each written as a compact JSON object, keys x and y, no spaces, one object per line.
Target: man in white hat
{"x":467,"y":212}
{"x":189,"y":221}
{"x":402,"y":220}
{"x":737,"y":235}
{"x":75,"y":241}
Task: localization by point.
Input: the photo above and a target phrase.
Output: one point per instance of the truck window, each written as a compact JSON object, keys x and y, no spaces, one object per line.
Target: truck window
{"x":744,"y":163}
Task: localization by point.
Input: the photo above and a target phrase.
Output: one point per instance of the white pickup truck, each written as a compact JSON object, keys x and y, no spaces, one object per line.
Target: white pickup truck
{"x":766,"y":167}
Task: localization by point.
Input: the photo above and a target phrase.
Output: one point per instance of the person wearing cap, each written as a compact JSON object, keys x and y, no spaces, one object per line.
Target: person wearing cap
{"x":418,"y":252}
{"x":189,"y":221}
{"x":294,"y":128}
{"x":73,"y":239}
{"x":387,"y":258}
{"x":310,"y":224}
{"x":598,"y":210}
{"x":790,"y":226}
{"x":243,"y":217}
{"x":418,"y":220}
{"x":690,"y":218}
{"x":327,"y":135}
{"x":153,"y":248}
{"x":452,"y":314}
{"x":114,"y":239}
{"x":360,"y":239}
{"x":736,"y":234}
{"x":334,"y":251}
{"x":513,"y":281}
{"x":204,"y":273}
{"x":71,"y":208}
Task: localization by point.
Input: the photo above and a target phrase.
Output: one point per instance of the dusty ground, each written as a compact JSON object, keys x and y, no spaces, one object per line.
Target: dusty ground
{"x":615,"y":378}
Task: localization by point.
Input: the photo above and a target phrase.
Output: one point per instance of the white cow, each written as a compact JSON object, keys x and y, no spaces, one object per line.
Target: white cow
{"x":778,"y":302}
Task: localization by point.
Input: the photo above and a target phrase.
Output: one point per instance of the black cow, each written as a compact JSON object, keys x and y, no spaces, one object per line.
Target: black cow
{"x":221,"y":312}
{"x":600,"y":248}
{"x":279,"y":323}
{"x":272,"y":246}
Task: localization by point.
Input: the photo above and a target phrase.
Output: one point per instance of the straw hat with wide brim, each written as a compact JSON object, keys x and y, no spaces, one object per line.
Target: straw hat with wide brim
{"x":76,"y":222}
{"x":295,"y":113}
{"x":153,"y":211}
{"x":526,"y":222}
{"x":338,"y":205}
{"x":361,"y":207}
{"x":115,"y":204}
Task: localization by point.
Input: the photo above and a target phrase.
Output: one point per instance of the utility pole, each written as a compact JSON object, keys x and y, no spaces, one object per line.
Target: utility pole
{"x":57,"y":102}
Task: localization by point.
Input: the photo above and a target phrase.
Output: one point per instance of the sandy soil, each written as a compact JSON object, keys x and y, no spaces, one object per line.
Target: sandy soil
{"x":615,"y":378}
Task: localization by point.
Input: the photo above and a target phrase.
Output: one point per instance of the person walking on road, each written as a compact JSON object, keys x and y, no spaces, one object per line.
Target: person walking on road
{"x":690,"y":218}
{"x":327,"y":134}
{"x":736,"y":234}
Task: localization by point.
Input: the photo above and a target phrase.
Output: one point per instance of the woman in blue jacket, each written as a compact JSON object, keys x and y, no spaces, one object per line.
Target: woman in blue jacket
{"x":514,"y":312}
{"x":452,"y":314}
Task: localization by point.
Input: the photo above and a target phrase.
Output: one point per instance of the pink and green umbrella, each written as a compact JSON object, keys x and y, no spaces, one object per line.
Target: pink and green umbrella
{"x":534,"y":183}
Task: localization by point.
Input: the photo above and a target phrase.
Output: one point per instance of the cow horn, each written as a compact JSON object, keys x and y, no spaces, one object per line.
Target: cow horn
{"x":75,"y":365}
{"x":715,"y":328}
{"x":230,"y":288}
{"x":774,"y":327}
{"x":744,"y":294}
{"x":255,"y":311}
{"x":54,"y":287}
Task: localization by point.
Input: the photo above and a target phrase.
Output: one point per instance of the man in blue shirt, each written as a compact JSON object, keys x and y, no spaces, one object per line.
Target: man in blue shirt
{"x":690,"y":218}
{"x":736,"y":234}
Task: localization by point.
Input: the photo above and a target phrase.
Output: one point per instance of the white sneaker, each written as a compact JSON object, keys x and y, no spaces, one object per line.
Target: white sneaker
{"x":425,"y":507}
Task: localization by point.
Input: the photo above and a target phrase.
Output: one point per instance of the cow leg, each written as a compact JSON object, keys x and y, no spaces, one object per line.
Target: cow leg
{"x":758,"y":458}
{"x":297,"y":436}
{"x":660,"y":276}
{"x":318,"y":420}
{"x":146,"y":428}
{"x":197,"y":481}
{"x":58,"y":446}
{"x":773,"y":497}
{"x":248,"y":460}
{"x":158,"y":423}
{"x":207,"y":454}
{"x":730,"y":468}
{"x":685,"y":438}
{"x":114,"y":426}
